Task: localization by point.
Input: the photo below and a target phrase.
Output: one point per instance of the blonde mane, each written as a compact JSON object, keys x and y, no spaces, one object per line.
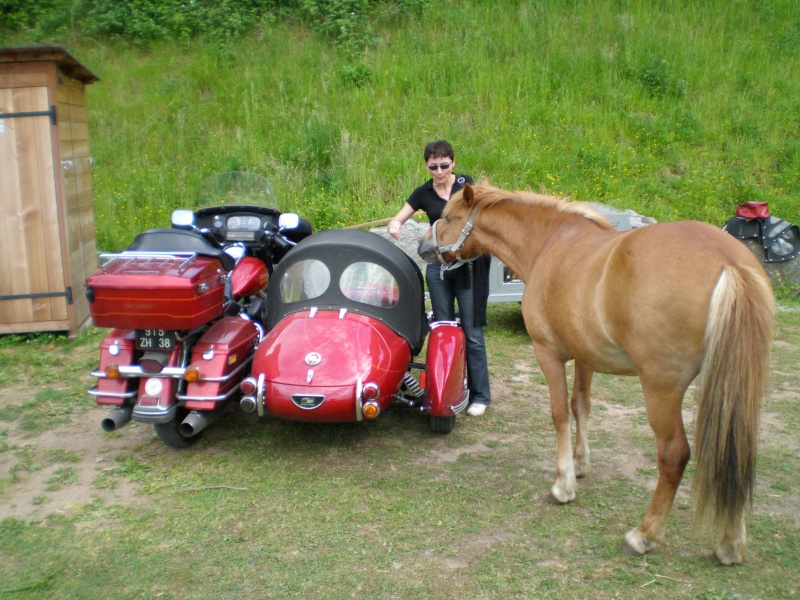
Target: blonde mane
{"x":489,"y":196}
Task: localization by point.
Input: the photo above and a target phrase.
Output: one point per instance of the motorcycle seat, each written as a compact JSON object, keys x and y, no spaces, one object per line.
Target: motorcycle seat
{"x":179,"y":240}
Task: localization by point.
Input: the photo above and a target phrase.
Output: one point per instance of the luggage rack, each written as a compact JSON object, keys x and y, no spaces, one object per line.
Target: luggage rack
{"x":151,"y":262}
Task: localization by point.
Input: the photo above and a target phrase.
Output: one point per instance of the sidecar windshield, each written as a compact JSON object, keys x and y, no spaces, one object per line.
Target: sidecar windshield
{"x":363,"y":282}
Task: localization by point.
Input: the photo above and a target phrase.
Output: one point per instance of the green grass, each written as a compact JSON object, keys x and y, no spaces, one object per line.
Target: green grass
{"x":269,"y":508}
{"x":678,"y":111}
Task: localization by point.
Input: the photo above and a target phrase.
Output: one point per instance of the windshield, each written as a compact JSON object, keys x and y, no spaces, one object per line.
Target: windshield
{"x":237,"y":188}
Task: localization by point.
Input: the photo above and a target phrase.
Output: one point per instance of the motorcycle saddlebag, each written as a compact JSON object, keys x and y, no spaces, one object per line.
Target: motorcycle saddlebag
{"x":156,"y":292}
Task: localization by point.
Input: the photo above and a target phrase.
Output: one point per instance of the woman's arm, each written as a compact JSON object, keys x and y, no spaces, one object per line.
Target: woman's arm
{"x":401,"y":217}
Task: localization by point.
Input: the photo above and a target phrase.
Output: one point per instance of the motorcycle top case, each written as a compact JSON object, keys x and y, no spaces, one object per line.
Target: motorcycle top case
{"x":163,"y":292}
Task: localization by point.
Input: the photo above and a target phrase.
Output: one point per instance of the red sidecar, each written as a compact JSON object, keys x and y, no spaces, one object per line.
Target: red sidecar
{"x":345,"y":319}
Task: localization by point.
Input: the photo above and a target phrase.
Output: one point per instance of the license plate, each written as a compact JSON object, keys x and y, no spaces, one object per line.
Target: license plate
{"x":154,"y":339}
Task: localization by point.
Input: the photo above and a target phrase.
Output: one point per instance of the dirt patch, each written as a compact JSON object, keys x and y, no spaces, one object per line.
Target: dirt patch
{"x":68,"y":465}
{"x":58,"y":470}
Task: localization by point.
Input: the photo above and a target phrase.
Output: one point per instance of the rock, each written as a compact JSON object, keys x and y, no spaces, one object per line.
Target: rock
{"x":409,"y":238}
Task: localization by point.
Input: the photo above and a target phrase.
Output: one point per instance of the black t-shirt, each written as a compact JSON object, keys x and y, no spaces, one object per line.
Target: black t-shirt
{"x":426,"y":198}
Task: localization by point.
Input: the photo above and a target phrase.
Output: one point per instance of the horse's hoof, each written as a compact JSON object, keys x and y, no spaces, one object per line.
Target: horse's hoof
{"x":582,"y":470}
{"x":729,"y":555}
{"x":560,"y":496}
{"x":634,"y":545}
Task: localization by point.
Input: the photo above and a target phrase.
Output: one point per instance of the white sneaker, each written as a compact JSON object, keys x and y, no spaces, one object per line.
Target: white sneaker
{"x":476,"y":410}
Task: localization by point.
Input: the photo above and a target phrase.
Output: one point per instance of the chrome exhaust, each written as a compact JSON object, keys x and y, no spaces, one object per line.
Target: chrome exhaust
{"x":119,"y":417}
{"x":194,"y":423}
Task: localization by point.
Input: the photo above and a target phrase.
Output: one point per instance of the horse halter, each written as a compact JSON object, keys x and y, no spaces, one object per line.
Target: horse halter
{"x":455,"y":247}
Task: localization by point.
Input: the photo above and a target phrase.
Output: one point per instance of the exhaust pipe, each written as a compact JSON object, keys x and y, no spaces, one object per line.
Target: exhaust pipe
{"x":194,"y":423}
{"x":117,"y":418}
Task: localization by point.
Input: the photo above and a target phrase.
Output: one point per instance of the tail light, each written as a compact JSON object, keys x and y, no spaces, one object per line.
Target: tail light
{"x":191,"y":374}
{"x":112,"y":371}
{"x":371,"y":409}
{"x":248,"y":386}
{"x":371,"y":391}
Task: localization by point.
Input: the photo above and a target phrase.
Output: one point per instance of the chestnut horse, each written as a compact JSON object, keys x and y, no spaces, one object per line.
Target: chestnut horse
{"x":665,"y":302}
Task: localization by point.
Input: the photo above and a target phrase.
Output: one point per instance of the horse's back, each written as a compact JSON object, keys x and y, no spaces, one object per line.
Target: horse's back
{"x":659,"y":284}
{"x":631,"y":300}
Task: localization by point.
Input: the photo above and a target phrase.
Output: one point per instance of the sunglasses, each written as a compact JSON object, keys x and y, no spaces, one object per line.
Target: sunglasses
{"x":443,"y":167}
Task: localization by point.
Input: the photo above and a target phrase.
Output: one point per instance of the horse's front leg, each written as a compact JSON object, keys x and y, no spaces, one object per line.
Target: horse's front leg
{"x":555,"y":373}
{"x":580,"y":410}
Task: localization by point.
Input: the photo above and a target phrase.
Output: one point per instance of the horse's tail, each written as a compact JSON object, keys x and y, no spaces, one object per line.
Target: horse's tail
{"x":733,"y":386}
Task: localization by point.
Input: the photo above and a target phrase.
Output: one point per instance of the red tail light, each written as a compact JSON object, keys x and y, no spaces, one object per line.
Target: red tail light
{"x":248,"y":386}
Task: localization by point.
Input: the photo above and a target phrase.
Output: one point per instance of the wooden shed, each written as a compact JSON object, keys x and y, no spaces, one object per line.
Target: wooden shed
{"x":47,"y":234}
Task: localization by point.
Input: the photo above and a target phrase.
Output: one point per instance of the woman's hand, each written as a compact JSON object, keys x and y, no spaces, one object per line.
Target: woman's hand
{"x":393,"y":228}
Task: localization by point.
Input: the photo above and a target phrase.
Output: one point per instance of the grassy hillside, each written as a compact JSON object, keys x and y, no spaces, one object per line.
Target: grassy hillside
{"x":677,"y":110}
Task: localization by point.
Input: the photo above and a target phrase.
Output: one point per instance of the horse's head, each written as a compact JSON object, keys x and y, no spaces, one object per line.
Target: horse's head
{"x":448,"y":241}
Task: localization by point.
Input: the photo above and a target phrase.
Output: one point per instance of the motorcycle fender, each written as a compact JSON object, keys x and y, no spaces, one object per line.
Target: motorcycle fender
{"x":222,"y":356}
{"x":249,"y":277}
{"x":445,"y":368}
{"x":117,"y":348}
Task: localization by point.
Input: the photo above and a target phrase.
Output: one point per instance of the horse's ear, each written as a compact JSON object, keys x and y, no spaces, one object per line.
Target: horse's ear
{"x":468,"y":194}
{"x":485,"y":181}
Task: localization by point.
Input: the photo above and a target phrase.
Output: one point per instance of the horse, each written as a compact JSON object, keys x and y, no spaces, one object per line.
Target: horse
{"x":666,"y":303}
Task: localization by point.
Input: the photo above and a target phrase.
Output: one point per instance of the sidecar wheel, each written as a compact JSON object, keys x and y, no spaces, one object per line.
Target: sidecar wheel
{"x":169,"y":434}
{"x":441,"y":424}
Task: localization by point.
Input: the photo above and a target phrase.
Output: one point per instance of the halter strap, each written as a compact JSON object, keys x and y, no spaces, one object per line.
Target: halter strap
{"x":456,"y":247}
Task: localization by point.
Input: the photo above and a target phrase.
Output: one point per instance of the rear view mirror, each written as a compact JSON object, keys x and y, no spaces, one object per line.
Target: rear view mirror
{"x":288,"y":221}
{"x":182,"y":218}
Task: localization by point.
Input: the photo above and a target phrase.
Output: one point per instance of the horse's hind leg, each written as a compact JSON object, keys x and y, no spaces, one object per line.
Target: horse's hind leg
{"x":580,"y":410}
{"x":664,"y":414}
{"x":732,"y":548}
{"x":552,"y":367}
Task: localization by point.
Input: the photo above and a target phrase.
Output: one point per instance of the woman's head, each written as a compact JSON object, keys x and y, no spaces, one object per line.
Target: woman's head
{"x":440,"y":160}
{"x":439,"y":149}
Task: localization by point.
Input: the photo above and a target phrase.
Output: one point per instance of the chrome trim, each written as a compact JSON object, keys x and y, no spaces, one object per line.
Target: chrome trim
{"x":98,"y":394}
{"x":359,"y":404}
{"x":135,"y":371}
{"x":208,"y":398}
{"x":154,"y":416}
{"x":260,"y":395}
{"x":164,"y":256}
{"x":457,"y":408}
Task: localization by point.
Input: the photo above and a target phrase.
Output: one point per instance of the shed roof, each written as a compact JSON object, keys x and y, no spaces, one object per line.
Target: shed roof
{"x":46,"y":53}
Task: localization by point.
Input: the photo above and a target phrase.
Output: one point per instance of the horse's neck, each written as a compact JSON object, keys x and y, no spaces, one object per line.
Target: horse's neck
{"x":518,"y":234}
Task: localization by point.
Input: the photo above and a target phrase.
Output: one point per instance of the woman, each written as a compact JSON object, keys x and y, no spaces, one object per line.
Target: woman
{"x":467,"y":285}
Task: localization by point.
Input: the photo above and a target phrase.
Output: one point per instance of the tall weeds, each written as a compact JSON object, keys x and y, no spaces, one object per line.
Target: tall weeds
{"x":677,"y":110}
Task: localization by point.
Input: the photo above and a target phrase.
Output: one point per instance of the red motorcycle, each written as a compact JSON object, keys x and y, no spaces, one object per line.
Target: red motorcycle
{"x":346,"y":316}
{"x":186,"y":306}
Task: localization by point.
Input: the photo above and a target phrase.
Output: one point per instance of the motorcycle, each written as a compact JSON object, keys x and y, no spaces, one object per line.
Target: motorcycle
{"x":187,"y":306}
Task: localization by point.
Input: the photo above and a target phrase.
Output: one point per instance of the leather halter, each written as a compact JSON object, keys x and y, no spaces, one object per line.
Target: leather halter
{"x":455,"y":247}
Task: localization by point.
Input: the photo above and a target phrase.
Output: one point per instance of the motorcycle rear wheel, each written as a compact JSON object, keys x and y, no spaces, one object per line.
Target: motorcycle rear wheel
{"x":441,"y":424}
{"x":169,"y":434}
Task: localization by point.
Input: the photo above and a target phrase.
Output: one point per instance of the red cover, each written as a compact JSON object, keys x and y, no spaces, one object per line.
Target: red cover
{"x":156,"y":293}
{"x":753,"y":210}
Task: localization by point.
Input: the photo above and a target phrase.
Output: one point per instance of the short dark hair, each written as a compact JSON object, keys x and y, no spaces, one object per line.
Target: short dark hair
{"x":439,"y":149}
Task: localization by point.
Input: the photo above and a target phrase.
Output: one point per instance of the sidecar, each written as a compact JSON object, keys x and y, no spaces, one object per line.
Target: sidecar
{"x":345,"y":320}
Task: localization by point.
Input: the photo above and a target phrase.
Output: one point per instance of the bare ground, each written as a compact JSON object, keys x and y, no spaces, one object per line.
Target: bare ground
{"x":30,"y":486}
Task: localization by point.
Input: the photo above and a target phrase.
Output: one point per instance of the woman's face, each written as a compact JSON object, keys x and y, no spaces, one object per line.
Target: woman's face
{"x":436,"y":167}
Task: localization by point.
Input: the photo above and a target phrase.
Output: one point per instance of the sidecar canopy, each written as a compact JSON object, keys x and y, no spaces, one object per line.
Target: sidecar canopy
{"x":354,"y":270}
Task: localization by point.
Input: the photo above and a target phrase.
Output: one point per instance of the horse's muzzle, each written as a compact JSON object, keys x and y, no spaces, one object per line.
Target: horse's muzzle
{"x":426,"y":248}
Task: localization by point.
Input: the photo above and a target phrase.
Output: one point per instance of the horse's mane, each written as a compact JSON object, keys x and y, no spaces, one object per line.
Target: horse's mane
{"x":489,"y":196}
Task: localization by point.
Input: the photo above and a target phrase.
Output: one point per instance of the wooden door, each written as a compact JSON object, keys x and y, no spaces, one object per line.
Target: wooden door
{"x":33,"y":289}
